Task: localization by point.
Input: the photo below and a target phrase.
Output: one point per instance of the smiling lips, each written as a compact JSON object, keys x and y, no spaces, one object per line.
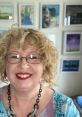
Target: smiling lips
{"x":23,"y":76}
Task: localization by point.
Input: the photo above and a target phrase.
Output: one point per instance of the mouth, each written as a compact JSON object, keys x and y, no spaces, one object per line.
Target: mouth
{"x":23,"y":76}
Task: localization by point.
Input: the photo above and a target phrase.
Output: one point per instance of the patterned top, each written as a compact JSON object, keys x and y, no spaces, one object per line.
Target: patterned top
{"x":59,"y":106}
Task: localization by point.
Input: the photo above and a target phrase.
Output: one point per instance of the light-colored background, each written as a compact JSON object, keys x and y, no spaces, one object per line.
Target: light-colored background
{"x":68,"y":83}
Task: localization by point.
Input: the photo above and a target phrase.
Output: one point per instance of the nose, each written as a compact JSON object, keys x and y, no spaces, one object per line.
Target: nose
{"x":24,"y":64}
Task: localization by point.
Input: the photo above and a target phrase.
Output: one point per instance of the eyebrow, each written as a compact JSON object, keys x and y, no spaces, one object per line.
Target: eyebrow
{"x":16,"y":52}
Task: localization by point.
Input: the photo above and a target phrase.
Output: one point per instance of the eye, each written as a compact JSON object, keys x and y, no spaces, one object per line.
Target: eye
{"x":34,"y":56}
{"x":13,"y":56}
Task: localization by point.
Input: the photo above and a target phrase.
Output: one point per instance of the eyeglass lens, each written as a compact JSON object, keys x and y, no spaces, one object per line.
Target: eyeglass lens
{"x":17,"y":58}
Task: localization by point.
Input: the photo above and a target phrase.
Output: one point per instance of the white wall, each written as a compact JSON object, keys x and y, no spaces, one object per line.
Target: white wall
{"x":69,"y":83}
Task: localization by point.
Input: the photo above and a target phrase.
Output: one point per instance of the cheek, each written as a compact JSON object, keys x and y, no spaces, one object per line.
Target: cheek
{"x":39,"y":70}
{"x":9,"y":69}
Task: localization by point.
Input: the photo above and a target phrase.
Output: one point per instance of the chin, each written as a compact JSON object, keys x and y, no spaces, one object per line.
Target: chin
{"x":25,"y":87}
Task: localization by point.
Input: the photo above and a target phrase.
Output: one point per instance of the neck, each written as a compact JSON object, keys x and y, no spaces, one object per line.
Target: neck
{"x":35,"y":107}
{"x":24,"y":95}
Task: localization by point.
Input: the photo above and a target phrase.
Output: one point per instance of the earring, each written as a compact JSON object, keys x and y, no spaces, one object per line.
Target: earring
{"x":4,"y":78}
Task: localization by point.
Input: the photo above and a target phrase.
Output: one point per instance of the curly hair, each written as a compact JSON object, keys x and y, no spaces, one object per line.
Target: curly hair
{"x":23,"y":37}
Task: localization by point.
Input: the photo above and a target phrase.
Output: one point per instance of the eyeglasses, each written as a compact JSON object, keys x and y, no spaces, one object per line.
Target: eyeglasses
{"x":15,"y":58}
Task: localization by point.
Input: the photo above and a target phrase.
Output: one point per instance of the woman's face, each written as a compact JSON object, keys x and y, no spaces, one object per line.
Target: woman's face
{"x":24,"y":73}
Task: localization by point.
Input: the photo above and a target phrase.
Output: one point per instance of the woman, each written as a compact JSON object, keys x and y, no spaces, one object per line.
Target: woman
{"x":28,"y":60}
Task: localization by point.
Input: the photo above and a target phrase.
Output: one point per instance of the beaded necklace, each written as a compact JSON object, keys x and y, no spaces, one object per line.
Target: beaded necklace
{"x":35,"y":107}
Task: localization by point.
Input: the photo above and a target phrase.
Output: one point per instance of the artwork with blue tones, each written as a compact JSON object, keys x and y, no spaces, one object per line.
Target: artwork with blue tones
{"x":27,"y":15}
{"x":73,"y":42}
{"x":70,"y":65}
{"x":50,"y":15}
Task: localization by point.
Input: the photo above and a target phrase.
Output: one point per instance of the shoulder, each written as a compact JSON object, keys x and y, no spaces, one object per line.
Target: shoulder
{"x":0,"y":94}
{"x":64,"y":105}
{"x":2,"y":108}
{"x":1,"y":91}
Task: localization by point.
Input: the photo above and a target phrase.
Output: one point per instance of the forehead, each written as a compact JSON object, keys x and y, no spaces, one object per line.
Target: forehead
{"x":14,"y":47}
{"x":23,"y":44}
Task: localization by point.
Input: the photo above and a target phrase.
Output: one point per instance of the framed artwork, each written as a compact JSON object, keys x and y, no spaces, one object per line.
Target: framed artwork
{"x":6,"y":11}
{"x":26,"y":15}
{"x":72,"y":43}
{"x":70,"y":65}
{"x":73,"y":14}
{"x":49,"y":17}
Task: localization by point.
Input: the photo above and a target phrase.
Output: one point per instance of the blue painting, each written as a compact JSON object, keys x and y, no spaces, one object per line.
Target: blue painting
{"x":50,"y":15}
{"x":73,"y":42}
{"x":70,"y":65}
{"x":27,"y":15}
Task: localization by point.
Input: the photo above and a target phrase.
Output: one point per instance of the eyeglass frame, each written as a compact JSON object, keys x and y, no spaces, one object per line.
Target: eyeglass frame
{"x":26,"y":58}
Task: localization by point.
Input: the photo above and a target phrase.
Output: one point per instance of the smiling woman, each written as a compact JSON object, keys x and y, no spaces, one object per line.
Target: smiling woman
{"x":28,"y":59}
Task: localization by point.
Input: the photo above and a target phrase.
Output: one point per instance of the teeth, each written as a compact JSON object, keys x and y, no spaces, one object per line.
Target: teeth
{"x":23,"y":75}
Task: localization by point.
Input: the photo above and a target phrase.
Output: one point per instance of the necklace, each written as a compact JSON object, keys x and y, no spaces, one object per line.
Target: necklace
{"x":35,"y":107}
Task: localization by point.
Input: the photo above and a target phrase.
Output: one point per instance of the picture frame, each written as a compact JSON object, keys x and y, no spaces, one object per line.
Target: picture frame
{"x":27,"y":15}
{"x":73,"y":14}
{"x":50,"y":15}
{"x":6,"y":11}
{"x":70,"y":65}
{"x":72,"y":42}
